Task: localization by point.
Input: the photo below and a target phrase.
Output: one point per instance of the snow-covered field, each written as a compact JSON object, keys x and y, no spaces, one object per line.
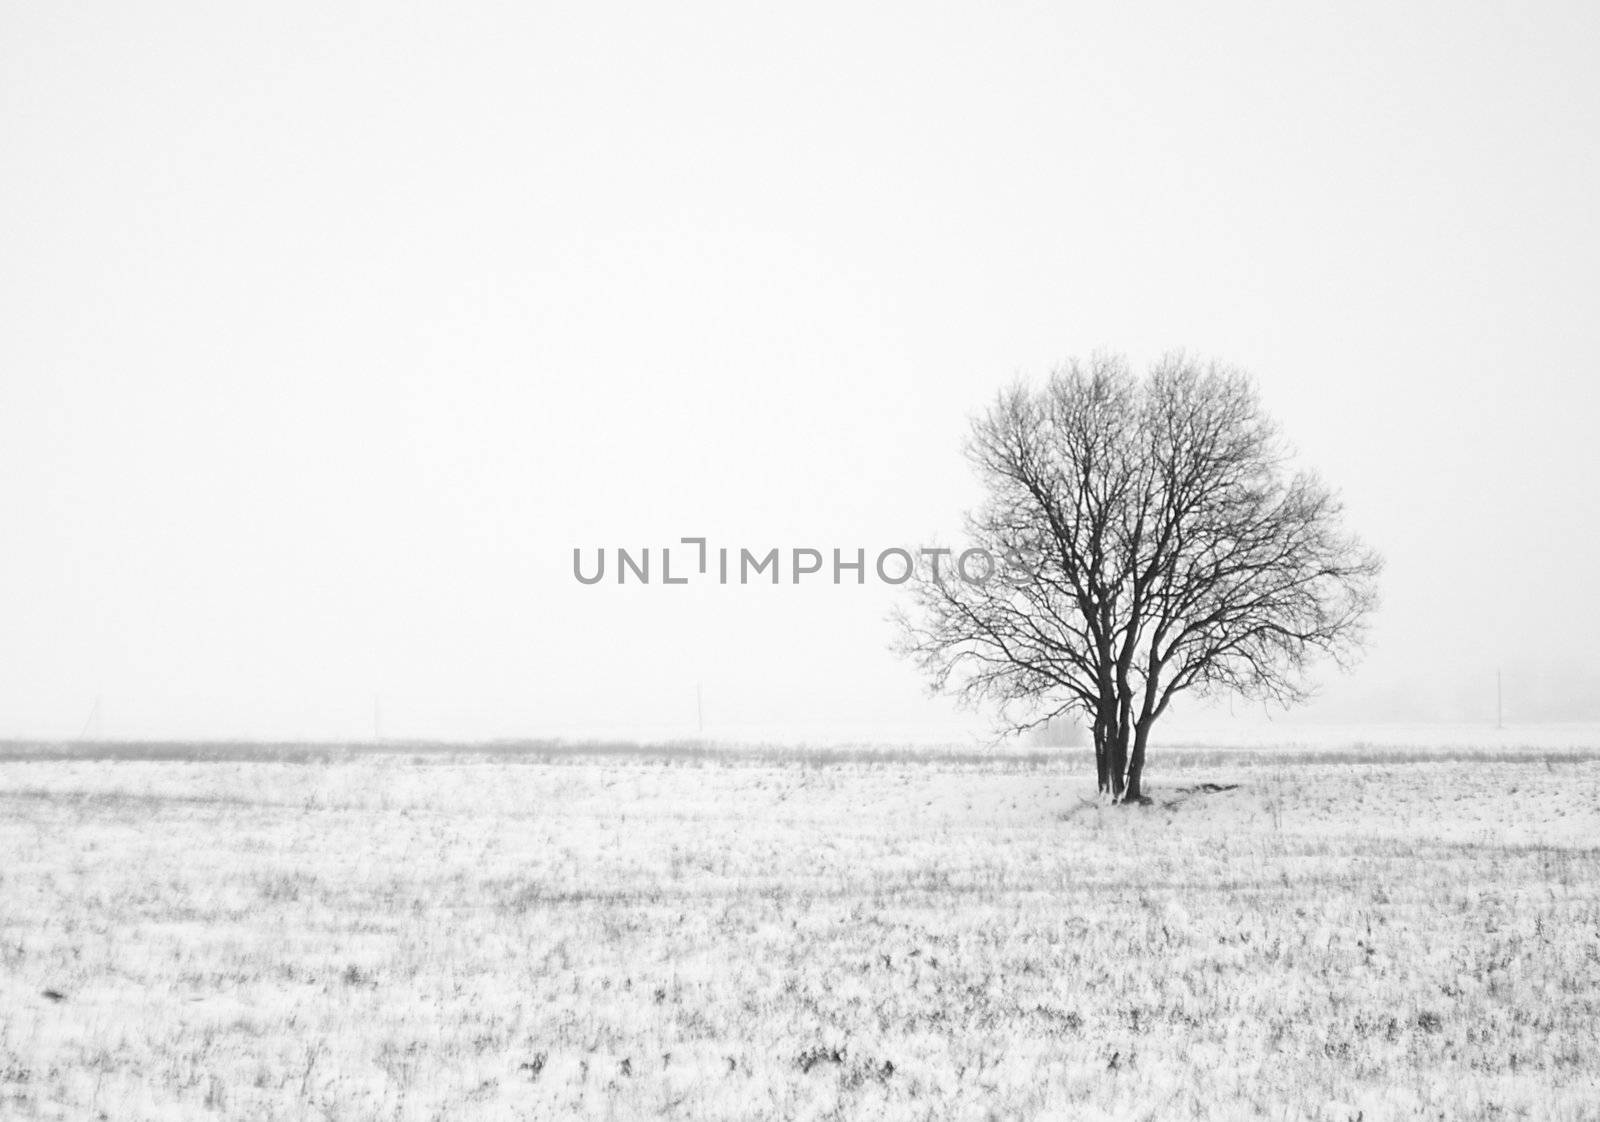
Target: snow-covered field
{"x":452,"y":936}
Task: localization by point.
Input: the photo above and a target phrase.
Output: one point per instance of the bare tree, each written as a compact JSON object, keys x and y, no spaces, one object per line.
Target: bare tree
{"x":1150,"y":538}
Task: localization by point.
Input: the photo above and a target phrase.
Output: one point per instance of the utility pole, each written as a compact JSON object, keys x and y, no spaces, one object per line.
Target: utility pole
{"x":93,"y":721}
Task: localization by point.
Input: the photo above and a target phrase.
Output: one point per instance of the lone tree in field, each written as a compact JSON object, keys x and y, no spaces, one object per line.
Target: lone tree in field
{"x":1148,"y":538}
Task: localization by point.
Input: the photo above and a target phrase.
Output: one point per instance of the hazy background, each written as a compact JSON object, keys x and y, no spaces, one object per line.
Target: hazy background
{"x":327,"y":331}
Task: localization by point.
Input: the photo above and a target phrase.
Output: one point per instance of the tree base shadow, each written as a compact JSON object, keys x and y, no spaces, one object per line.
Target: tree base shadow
{"x":1184,"y":794}
{"x":1187,"y":793}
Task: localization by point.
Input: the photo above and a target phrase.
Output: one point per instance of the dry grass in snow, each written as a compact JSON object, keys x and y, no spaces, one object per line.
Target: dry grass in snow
{"x":389,"y":937}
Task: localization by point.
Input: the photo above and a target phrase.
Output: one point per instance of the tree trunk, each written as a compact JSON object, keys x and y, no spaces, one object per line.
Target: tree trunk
{"x":1141,"y":735}
{"x":1105,"y":738}
{"x":1118,"y":763}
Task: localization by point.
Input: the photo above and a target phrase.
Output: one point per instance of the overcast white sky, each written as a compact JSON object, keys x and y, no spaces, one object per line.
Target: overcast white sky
{"x":328,"y":330}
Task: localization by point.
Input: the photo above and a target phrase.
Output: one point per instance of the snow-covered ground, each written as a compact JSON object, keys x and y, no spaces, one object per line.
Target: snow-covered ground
{"x":1413,"y":931}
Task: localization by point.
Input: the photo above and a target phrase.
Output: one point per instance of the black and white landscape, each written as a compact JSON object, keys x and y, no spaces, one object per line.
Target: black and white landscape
{"x":721,"y":562}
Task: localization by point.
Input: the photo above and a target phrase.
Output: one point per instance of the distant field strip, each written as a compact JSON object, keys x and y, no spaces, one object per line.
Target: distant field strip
{"x":1175,"y":755}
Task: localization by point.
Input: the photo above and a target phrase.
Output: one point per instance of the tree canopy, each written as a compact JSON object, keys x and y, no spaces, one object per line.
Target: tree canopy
{"x":1152,"y":537}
